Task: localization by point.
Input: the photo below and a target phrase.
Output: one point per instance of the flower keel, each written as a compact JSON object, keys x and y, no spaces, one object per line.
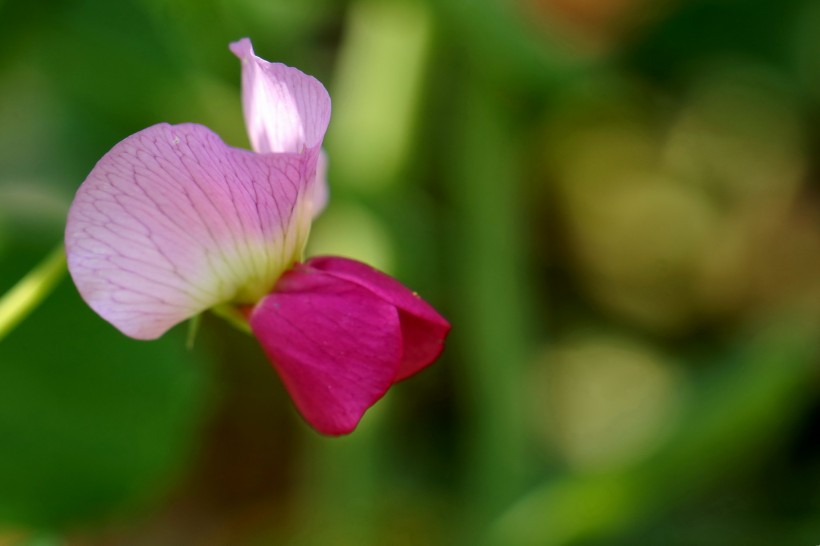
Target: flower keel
{"x":423,"y":329}
{"x":340,"y":333}
{"x":335,"y":344}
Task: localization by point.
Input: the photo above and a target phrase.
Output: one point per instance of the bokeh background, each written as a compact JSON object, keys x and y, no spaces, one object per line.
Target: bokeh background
{"x":615,"y":202}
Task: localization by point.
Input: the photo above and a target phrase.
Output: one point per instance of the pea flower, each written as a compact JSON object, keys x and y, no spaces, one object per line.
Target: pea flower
{"x":172,"y":222}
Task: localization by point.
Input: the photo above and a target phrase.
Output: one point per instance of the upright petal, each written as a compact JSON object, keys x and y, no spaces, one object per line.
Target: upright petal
{"x":172,"y":221}
{"x":423,"y":328}
{"x":285,"y":110}
{"x":335,"y":344}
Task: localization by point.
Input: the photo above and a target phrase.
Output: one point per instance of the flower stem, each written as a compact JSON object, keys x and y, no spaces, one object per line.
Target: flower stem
{"x":233,"y":316}
{"x":26,"y":295}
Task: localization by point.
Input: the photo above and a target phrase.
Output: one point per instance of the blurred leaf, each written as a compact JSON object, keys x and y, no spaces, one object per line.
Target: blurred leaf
{"x":505,"y":47}
{"x":90,"y":421}
{"x":111,"y":63}
{"x":738,"y":415}
{"x":701,"y":30}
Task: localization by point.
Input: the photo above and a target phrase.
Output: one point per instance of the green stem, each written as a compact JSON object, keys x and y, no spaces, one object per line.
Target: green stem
{"x":233,"y":316}
{"x":32,"y":289}
{"x":490,"y":258}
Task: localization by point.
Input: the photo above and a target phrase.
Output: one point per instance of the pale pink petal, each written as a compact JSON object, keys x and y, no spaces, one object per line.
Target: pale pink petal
{"x":172,"y":221}
{"x":321,"y":191}
{"x":335,"y":344}
{"x":285,"y":110}
{"x":423,"y":328}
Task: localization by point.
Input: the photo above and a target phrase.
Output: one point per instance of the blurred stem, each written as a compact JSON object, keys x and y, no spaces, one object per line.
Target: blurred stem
{"x":234,"y":317}
{"x":31,"y":290}
{"x":376,"y":92}
{"x":493,"y":325}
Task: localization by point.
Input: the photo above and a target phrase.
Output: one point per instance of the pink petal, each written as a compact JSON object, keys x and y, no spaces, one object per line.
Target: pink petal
{"x":321,"y":191}
{"x":423,"y":329}
{"x":285,"y":110}
{"x":172,"y":221}
{"x":335,"y":344}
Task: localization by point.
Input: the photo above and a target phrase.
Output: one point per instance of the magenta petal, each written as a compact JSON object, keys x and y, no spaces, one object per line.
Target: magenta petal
{"x":172,"y":221}
{"x":423,"y":328}
{"x":335,"y":344}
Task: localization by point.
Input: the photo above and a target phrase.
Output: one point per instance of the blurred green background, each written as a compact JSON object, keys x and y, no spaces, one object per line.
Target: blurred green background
{"x":615,"y":202}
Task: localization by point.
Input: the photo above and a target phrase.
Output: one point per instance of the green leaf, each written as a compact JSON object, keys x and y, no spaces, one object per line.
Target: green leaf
{"x":91,"y":422}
